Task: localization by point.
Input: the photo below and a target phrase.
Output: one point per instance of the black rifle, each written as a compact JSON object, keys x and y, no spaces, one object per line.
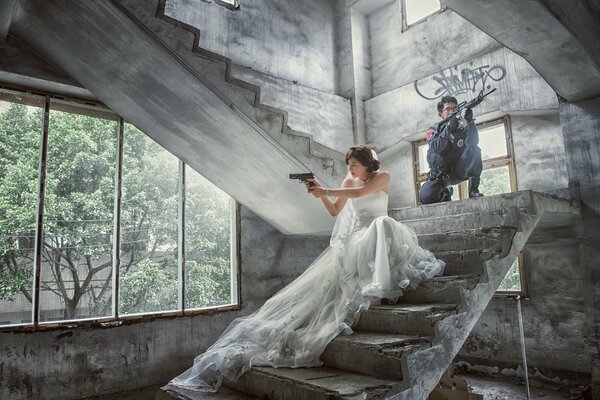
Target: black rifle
{"x":304,"y":177}
{"x":463,"y":106}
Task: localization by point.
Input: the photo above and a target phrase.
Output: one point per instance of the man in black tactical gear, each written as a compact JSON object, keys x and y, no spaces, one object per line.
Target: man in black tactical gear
{"x":453,"y":155}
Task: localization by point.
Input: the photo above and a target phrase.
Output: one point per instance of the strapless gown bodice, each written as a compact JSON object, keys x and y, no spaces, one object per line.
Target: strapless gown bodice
{"x":369,"y":207}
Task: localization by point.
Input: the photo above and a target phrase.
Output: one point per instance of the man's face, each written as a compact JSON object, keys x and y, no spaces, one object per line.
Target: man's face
{"x":448,"y":110}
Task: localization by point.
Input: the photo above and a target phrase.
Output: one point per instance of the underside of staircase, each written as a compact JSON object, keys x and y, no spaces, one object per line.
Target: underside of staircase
{"x":149,"y":69}
{"x":400,"y":351}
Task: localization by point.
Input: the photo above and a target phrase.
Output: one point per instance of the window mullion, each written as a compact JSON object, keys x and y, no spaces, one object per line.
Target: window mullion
{"x":181,"y":238}
{"x":116,"y":265}
{"x":39,"y":232}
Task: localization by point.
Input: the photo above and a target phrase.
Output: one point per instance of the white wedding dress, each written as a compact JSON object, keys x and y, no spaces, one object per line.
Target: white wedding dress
{"x":371,"y":256}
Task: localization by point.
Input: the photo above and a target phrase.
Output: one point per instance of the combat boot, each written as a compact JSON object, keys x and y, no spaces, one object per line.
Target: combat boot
{"x":447,"y":194}
{"x":474,"y":187}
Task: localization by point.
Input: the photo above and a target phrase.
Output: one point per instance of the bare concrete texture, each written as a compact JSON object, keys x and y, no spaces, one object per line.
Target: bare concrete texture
{"x":93,"y":362}
{"x":6,"y":12}
{"x":224,"y":393}
{"x":540,"y":158}
{"x":405,"y":113}
{"x":97,"y":45}
{"x":502,"y":389}
{"x":374,"y":354}
{"x":290,"y":40}
{"x":405,"y":319}
{"x":21,"y":66}
{"x":324,"y":115}
{"x":320,"y":383}
{"x":330,"y":117}
{"x":581,"y":134}
{"x":442,"y":40}
{"x":453,"y":330}
{"x":581,"y":20}
{"x":531,"y":30}
{"x":553,"y":316}
{"x":267,"y":269}
{"x":343,"y":49}
{"x":138,"y":394}
{"x":362,"y":73}
{"x":399,"y":163}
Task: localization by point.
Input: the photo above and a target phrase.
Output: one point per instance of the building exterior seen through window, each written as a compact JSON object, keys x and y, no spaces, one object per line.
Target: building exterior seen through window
{"x":499,"y":176}
{"x":416,"y":10}
{"x":169,"y":237}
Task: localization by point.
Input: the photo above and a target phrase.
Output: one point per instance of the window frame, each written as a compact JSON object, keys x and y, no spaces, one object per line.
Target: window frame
{"x":98,"y":109}
{"x":403,"y":13}
{"x":491,"y":163}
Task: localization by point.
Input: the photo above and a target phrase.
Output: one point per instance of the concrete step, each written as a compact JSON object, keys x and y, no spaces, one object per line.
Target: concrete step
{"x":492,"y":240}
{"x":462,"y":262}
{"x":441,"y":289}
{"x":319,"y":383}
{"x":176,"y":393}
{"x":490,"y":204}
{"x":404,"y":319}
{"x":372,"y":353}
{"x":508,"y":217}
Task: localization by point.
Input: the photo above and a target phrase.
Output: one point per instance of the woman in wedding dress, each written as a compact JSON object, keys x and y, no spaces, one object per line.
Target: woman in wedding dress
{"x":371,"y":256}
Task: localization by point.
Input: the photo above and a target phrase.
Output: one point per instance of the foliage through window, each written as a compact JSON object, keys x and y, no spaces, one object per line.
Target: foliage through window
{"x":78,"y":243}
{"x":498,"y":176}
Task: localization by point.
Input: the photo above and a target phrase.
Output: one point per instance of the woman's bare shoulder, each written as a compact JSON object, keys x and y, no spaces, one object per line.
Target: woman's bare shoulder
{"x":382,"y":175}
{"x":348,"y":182}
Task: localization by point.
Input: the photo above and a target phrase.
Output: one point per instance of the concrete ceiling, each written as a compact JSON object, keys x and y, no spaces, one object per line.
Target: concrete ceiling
{"x":558,"y":38}
{"x":7,"y":8}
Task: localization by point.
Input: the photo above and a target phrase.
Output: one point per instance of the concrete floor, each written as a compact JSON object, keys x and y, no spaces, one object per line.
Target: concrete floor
{"x":491,"y":388}
{"x":500,"y":389}
{"x":147,"y":393}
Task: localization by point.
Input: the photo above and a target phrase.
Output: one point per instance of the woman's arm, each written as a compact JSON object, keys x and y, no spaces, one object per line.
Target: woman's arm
{"x":379,"y":182}
{"x":333,"y":207}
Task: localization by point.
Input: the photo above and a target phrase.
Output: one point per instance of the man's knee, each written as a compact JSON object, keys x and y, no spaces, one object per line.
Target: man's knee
{"x":431,"y":192}
{"x":427,"y":198}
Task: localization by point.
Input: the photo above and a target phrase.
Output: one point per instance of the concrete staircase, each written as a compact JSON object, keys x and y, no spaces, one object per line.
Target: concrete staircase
{"x":150,"y":71}
{"x":183,"y":41}
{"x":401,"y":351}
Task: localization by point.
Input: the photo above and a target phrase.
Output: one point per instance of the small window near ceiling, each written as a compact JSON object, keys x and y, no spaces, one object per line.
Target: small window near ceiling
{"x":416,"y":10}
{"x":230,"y":4}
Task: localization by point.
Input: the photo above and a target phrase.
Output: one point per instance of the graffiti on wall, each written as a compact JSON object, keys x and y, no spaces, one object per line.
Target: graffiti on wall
{"x":452,"y":82}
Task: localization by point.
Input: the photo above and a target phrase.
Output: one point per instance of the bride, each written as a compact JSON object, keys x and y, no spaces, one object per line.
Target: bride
{"x":370,"y":256}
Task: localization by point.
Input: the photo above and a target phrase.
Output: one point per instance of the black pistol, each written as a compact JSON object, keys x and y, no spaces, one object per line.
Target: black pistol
{"x":303,"y":177}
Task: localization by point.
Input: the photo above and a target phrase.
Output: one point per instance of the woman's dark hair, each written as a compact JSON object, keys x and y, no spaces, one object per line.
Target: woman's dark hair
{"x":364,"y":155}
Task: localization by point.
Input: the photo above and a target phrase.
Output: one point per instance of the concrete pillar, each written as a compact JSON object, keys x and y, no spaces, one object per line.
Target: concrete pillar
{"x":580,"y":123}
{"x":353,"y":63}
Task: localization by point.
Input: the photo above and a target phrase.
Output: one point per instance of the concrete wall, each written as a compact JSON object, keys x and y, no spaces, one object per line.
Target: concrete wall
{"x":406,"y":112}
{"x":289,"y":40}
{"x":540,"y":158}
{"x":442,"y":40}
{"x":560,"y":320}
{"x":286,"y":48}
{"x":446,"y":54}
{"x":326,"y":116}
{"x":71,"y":364}
{"x":581,"y":134}
{"x":554,"y":322}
